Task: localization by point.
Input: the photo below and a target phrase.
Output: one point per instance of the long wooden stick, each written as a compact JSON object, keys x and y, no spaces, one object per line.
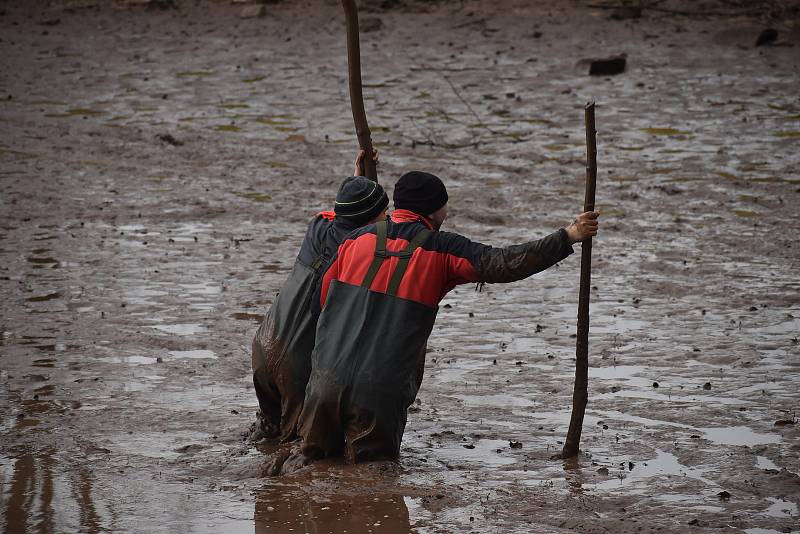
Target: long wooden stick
{"x":356,"y":98}
{"x":580,"y":394}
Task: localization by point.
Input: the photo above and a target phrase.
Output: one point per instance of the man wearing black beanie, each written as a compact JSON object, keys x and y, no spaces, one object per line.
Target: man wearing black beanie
{"x":282,"y":345}
{"x":379,"y":300}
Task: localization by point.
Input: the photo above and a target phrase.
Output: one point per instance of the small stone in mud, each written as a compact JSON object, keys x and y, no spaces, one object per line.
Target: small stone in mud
{"x":514,"y":444}
{"x":655,"y":384}
{"x":159,"y":359}
{"x":693,"y":522}
{"x":253,"y":12}
{"x":724,"y":495}
{"x":471,"y":314}
{"x":767,"y":36}
{"x":603,"y":471}
{"x":494,"y":362}
{"x":753,"y":308}
{"x":602,"y":66}
{"x":707,"y":386}
{"x":784,"y":422}
{"x":630,"y":466}
{"x":469,"y":446}
{"x":169,"y":139}
{"x":235,"y":412}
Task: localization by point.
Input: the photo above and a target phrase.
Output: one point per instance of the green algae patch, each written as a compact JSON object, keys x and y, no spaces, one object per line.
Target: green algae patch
{"x":745,"y":213}
{"x":244,"y":316}
{"x":620,"y":178}
{"x":665,"y":131}
{"x":556,"y":147}
{"x":631,"y":148}
{"x":664,"y":170}
{"x":775,"y":180}
{"x":227,"y":128}
{"x":255,"y":197}
{"x":273,"y":121}
{"x":535,"y":121}
{"x":254,"y":79}
{"x":76,"y":112}
{"x":787,"y":135}
{"x":728,"y":176}
{"x":16,"y":153}
{"x":277,"y":165}
{"x":423,"y":95}
{"x":790,"y":108}
{"x":195,"y":74}
{"x":233,"y":106}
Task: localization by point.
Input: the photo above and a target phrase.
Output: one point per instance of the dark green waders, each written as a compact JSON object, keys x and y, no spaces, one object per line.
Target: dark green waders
{"x":282,"y":353}
{"x":366,"y":364}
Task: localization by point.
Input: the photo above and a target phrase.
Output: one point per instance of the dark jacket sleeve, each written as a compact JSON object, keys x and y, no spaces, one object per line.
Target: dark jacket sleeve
{"x":515,"y":262}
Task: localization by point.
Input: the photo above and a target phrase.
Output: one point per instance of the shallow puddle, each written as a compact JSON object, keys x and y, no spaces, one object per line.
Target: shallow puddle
{"x":640,"y":476}
{"x":277,"y":510}
{"x":738,"y":435}
{"x":781,"y":508}
{"x":193,"y":354}
{"x":186,"y":329}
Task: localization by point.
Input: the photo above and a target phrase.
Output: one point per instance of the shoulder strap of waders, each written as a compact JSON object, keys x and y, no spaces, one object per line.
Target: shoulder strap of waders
{"x":402,"y":266}
{"x":380,"y":254}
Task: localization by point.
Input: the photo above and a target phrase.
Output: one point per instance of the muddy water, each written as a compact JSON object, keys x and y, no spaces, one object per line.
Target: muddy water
{"x":159,"y":167}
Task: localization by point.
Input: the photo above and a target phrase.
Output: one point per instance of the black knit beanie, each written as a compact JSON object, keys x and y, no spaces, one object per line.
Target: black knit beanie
{"x":420,"y":192}
{"x":360,"y":199}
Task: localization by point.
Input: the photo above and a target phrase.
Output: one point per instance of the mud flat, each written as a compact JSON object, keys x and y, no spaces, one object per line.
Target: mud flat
{"x":158,"y":170}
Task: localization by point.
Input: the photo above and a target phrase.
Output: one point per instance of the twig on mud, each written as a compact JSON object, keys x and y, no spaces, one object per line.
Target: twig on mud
{"x":469,"y":107}
{"x":431,"y":141}
{"x":654,"y":7}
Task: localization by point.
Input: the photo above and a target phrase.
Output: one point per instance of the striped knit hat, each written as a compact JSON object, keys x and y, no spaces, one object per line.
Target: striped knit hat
{"x":360,"y":199}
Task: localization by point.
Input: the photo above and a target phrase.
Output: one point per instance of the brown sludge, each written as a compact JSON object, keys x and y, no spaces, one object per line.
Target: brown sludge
{"x":125,"y":385}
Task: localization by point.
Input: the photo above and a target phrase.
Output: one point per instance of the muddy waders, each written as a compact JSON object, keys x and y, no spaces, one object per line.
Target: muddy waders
{"x":281,"y":352}
{"x":367,"y":363}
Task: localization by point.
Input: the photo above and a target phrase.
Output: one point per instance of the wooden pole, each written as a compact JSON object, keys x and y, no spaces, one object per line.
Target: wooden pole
{"x":356,"y":98}
{"x":580,"y":394}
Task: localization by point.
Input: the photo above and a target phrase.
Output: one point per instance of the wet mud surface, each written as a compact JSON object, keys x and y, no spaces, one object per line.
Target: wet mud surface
{"x":158,"y":171}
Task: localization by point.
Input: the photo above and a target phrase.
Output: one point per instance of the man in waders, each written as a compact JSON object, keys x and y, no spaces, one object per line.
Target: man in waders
{"x":283,"y":343}
{"x":379,"y":300}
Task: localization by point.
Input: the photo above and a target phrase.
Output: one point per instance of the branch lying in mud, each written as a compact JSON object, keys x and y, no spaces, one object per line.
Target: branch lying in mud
{"x":430,"y":140}
{"x":469,"y":107}
{"x":434,"y":140}
{"x":653,"y":7}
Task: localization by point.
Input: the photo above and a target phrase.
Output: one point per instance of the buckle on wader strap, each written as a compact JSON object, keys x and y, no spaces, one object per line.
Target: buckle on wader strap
{"x":382,"y":254}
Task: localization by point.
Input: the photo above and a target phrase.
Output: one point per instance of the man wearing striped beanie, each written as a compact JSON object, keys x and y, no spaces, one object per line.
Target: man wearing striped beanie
{"x":282,"y":345}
